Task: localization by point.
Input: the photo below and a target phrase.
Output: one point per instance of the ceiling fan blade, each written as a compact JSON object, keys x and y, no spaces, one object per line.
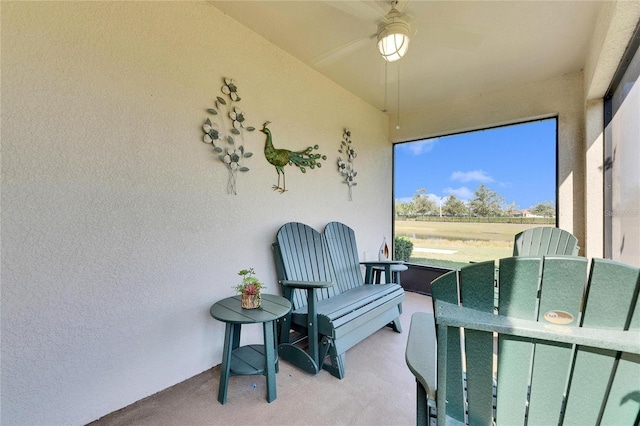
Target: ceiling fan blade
{"x":367,"y":10}
{"x":334,"y":55}
{"x":402,"y":5}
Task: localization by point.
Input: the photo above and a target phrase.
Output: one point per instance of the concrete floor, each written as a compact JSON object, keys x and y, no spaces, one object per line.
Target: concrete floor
{"x":378,"y":389}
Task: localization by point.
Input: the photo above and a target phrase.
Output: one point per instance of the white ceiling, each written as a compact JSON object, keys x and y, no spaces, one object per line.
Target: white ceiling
{"x":460,"y":48}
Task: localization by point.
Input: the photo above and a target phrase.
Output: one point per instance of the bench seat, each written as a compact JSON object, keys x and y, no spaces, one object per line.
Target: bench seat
{"x":341,"y":313}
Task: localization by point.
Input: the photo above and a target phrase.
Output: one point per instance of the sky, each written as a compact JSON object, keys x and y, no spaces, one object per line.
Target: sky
{"x":517,"y":161}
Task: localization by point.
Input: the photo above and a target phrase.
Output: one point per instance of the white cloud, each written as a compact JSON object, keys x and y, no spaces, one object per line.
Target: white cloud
{"x":474,"y":175}
{"x":403,"y":200}
{"x":420,"y":147}
{"x":463,"y":193}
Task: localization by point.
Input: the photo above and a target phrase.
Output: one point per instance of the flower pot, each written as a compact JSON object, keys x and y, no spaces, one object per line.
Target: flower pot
{"x":250,"y":301}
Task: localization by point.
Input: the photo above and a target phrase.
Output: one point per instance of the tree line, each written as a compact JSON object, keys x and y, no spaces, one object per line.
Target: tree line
{"x":485,"y":203}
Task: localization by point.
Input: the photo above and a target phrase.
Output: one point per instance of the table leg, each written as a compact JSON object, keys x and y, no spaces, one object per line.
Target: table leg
{"x":236,"y":336}
{"x":270,"y":359}
{"x":422,"y":410}
{"x":387,"y":273}
{"x":368,"y":274}
{"x":275,"y":345}
{"x":230,"y":332}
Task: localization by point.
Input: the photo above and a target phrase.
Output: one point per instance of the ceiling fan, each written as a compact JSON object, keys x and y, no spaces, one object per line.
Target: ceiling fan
{"x":398,"y":15}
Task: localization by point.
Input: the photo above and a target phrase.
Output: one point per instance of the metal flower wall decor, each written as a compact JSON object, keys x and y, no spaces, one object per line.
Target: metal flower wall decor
{"x":346,"y":168}
{"x":229,"y":123}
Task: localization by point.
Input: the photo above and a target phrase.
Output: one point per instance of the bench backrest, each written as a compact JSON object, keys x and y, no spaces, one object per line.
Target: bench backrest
{"x":301,"y":255}
{"x":545,"y":240}
{"x":341,"y":242}
{"x":567,"y":347}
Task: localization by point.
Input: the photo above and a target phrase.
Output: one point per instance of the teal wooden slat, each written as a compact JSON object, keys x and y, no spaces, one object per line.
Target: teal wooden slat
{"x":545,"y":240}
{"x":445,"y":288}
{"x":355,"y":319}
{"x":608,"y":305}
{"x":479,"y":375}
{"x":519,"y":280}
{"x":477,"y":292}
{"x":623,"y":402}
{"x":341,"y":242}
{"x":563,"y":282}
{"x":514,"y":370}
{"x":369,"y":324}
{"x":305,"y":258}
{"x":544,"y":244}
{"x":559,"y":243}
{"x":536,"y":241}
{"x":476,"y":286}
{"x":449,"y":393}
{"x":248,"y":360}
{"x":336,"y":308}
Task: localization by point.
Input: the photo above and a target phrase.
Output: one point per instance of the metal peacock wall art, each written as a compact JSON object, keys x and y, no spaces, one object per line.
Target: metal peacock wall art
{"x":280,"y":158}
{"x":229,"y":123}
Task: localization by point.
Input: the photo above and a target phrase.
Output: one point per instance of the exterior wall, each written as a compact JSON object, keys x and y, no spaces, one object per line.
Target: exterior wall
{"x":612,"y":32}
{"x":594,"y":180}
{"x":117,"y":232}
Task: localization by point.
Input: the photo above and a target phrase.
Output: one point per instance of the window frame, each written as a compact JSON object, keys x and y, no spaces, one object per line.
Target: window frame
{"x":555,"y":117}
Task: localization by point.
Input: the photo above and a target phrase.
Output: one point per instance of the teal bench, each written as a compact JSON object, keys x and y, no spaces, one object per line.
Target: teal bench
{"x":560,"y":344}
{"x":333,"y":307}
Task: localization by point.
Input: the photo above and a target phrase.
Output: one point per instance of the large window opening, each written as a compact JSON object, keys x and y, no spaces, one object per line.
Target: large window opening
{"x":622,"y":160}
{"x":462,"y":198}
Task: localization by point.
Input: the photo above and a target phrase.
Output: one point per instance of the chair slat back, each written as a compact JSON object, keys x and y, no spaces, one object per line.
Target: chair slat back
{"x":476,"y":292}
{"x":612,"y":302}
{"x":341,"y":243}
{"x":545,"y":240}
{"x":562,"y":285}
{"x":508,"y":379}
{"x":302,"y":255}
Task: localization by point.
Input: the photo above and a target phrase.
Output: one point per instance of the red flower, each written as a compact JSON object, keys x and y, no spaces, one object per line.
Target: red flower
{"x":251,"y":290}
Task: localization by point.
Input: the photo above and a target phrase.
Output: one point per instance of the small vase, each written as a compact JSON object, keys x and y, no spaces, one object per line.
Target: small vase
{"x":383,"y":253}
{"x":250,"y":301}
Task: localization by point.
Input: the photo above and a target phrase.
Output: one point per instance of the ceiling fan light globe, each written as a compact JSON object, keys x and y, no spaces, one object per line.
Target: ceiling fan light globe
{"x":393,"y":40}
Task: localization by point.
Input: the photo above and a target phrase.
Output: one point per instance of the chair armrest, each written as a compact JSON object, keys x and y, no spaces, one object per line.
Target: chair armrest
{"x":610,"y":339}
{"x":306,"y":284}
{"x":421,"y":353}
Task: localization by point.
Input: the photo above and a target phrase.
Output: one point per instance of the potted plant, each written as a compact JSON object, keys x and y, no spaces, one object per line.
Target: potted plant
{"x":249,"y":289}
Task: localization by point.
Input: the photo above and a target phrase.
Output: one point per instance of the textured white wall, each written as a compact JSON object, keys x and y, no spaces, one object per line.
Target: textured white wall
{"x":117,"y":233}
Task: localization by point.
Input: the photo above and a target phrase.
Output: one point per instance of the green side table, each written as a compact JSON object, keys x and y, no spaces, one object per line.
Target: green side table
{"x":252,"y":359}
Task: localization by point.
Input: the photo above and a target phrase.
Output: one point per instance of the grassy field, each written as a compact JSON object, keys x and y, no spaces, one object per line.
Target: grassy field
{"x":449,"y":243}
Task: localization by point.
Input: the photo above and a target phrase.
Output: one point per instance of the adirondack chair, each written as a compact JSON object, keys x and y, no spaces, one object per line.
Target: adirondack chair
{"x":564,"y":347}
{"x":332,"y":307}
{"x":545,"y":240}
